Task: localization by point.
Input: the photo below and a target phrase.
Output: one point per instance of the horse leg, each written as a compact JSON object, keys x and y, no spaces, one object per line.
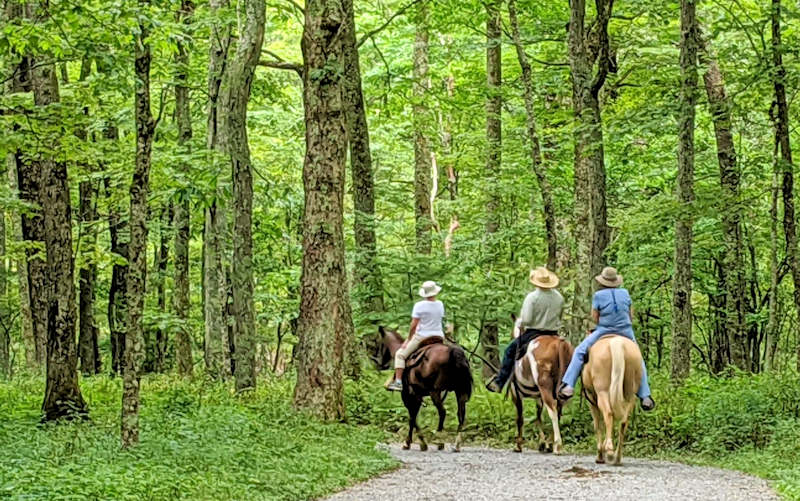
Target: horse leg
{"x":623,"y":427}
{"x":552,"y":410}
{"x":540,"y":426}
{"x":462,"y":415}
{"x":596,"y":419}
{"x":604,"y":403}
{"x":520,"y":421}
{"x":413,"y":404}
{"x":438,"y":401}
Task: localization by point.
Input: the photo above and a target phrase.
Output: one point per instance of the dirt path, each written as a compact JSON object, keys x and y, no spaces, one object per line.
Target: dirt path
{"x":491,"y":474}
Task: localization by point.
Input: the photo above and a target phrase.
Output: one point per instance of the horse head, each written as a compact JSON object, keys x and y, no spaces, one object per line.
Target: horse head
{"x":384,"y":350}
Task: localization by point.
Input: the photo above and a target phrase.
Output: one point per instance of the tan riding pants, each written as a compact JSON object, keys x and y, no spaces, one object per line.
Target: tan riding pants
{"x":407,"y":349}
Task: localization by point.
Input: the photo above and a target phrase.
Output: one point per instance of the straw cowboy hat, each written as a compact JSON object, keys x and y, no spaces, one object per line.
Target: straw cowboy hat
{"x":544,"y":278}
{"x":429,"y":289}
{"x":609,"y":277}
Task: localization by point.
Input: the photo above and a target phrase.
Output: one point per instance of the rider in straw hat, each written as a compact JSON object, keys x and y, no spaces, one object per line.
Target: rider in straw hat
{"x":426,"y":323}
{"x":613,"y":313}
{"x":540,"y":315}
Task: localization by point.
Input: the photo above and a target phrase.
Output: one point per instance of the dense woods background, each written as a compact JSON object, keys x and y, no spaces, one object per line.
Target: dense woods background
{"x":236,"y":190}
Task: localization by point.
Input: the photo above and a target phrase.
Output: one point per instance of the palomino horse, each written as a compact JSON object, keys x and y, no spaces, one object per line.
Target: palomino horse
{"x":433,"y":370}
{"x":536,"y":375}
{"x":611,"y":380}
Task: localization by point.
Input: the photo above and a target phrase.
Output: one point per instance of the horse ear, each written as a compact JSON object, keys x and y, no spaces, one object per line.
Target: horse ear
{"x":513,"y":317}
{"x":381,"y":330}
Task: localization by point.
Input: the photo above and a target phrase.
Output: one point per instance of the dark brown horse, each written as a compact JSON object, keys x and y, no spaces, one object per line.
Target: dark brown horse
{"x":537,"y":375}
{"x":433,"y":370}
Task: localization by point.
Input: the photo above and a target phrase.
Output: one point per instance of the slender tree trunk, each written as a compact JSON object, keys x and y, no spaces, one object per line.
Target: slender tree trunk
{"x":62,"y":394}
{"x":181,"y":297}
{"x":28,"y":338}
{"x":587,"y":47}
{"x":5,"y":310}
{"x":87,"y":337}
{"x":780,"y":116}
{"x":367,"y":274}
{"x":217,"y":352}
{"x":117,"y":298}
{"x":234,"y":96}
{"x":324,"y":323}
{"x":140,"y":184}
{"x":730,"y":209}
{"x":161,"y":341}
{"x":494,"y":106}
{"x":682,"y":281}
{"x":422,"y":153}
{"x":548,"y":207}
{"x":773,"y":328}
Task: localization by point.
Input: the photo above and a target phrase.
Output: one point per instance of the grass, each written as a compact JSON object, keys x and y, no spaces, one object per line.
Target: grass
{"x":200,"y":441}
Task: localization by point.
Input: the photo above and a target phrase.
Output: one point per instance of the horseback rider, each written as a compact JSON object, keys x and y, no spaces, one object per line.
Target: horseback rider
{"x":426,"y":327}
{"x":540,"y":315}
{"x":613,"y":313}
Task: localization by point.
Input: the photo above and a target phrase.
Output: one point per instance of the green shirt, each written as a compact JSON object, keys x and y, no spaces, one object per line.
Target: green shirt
{"x":541,"y":310}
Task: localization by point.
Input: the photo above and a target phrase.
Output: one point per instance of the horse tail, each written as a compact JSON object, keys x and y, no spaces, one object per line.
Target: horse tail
{"x":617,"y":389}
{"x":462,"y":375}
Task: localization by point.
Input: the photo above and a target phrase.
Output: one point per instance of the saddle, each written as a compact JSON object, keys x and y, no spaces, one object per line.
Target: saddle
{"x":415,"y":358}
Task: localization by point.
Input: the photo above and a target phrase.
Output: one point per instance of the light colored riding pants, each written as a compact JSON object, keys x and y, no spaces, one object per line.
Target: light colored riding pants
{"x":407,"y":349}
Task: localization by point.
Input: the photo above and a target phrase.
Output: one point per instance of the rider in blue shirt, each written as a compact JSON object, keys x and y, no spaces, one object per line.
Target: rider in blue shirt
{"x":612,"y":311}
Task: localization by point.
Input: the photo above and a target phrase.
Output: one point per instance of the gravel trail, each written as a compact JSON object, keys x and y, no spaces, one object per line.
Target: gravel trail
{"x":493,"y":474}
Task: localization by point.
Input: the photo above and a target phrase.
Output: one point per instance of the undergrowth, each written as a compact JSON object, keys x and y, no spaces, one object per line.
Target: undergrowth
{"x":201,"y":441}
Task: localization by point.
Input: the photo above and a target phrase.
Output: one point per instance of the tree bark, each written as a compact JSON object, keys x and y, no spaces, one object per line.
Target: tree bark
{"x":548,"y":207}
{"x":88,"y":351}
{"x":588,"y":47}
{"x":119,"y":235}
{"x":62,"y":398}
{"x":422,"y":153}
{"x":682,"y":281}
{"x":367,"y":274}
{"x":217,"y":352}
{"x":181,"y":296}
{"x":140,"y":184}
{"x":234,"y":96}
{"x":5,"y":307}
{"x":730,"y":209}
{"x":324,"y":323}
{"x":780,"y":116}
{"x":161,"y":341}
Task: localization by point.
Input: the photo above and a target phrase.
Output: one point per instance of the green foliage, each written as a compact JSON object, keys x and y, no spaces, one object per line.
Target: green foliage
{"x":199,"y":441}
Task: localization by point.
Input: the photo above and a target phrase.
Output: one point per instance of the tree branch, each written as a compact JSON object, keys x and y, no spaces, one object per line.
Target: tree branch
{"x":382,"y":27}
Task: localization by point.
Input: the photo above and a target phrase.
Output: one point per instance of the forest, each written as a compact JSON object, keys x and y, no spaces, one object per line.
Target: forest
{"x":209,"y":207}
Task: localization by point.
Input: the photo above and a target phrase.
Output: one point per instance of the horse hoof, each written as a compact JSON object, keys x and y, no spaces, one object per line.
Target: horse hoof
{"x":517,"y":448}
{"x":440,"y":447}
{"x":600,"y":461}
{"x":549,"y":449}
{"x":423,"y":447}
{"x":542,"y":447}
{"x":406,"y":447}
{"x":457,"y":448}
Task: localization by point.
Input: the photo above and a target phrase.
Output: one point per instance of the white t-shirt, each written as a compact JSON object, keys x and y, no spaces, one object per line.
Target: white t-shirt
{"x":430,"y":315}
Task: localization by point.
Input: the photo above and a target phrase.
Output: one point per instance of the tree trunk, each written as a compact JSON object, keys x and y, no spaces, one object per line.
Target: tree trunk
{"x":88,"y":351}
{"x":161,"y":341}
{"x":780,"y":116}
{"x":181,"y":297}
{"x":234,"y":96}
{"x":730,"y":209}
{"x":217,"y":353}
{"x":682,"y":281}
{"x":367,"y":274}
{"x":494,"y":105}
{"x":587,"y":47}
{"x":5,"y":307}
{"x":324,"y":323}
{"x":117,"y":298}
{"x":422,"y":153}
{"x":62,"y":394}
{"x":773,"y":328}
{"x":548,"y":207}
{"x":140,"y":184}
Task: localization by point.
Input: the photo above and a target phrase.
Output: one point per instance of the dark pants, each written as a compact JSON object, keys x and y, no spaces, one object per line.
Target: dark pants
{"x":514,"y":351}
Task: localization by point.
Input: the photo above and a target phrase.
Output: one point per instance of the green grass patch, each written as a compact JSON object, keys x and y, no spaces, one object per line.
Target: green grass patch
{"x":198,"y":441}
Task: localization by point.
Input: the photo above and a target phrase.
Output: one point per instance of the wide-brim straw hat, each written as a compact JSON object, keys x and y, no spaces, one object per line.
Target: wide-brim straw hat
{"x":429,"y":289}
{"x":544,"y":278}
{"x":609,"y":277}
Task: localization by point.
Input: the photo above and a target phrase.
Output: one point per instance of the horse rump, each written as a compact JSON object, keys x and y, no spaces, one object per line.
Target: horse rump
{"x":460,"y":374}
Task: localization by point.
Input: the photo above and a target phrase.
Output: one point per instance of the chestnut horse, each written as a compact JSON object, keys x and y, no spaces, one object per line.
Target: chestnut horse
{"x":433,"y":370}
{"x":610,"y":382}
{"x":537,"y":375}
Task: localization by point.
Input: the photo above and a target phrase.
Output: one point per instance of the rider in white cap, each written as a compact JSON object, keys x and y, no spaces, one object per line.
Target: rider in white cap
{"x":426,"y":323}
